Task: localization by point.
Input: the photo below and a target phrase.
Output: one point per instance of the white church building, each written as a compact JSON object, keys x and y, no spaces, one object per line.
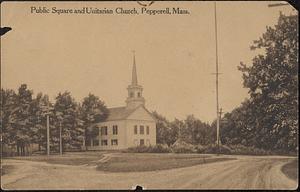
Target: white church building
{"x":128,"y":126}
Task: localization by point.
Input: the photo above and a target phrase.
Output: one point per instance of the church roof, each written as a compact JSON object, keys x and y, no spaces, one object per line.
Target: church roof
{"x":118,"y":113}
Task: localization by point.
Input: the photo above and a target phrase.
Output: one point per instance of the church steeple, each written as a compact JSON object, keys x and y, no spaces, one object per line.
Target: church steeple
{"x":134,"y":75}
{"x":135,"y":97}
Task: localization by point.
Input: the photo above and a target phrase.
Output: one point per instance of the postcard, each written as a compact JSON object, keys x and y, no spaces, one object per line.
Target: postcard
{"x":140,"y":95}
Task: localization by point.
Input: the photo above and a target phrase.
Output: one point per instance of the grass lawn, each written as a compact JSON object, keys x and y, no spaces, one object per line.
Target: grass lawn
{"x":131,"y":162}
{"x":127,"y":162}
{"x":291,"y":170}
{"x":77,"y":158}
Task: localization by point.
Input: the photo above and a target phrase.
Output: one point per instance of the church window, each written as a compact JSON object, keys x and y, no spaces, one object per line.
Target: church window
{"x":103,"y":142}
{"x":142,"y":142}
{"x":139,"y":94}
{"x":135,"y":129}
{"x":104,"y":130}
{"x":142,"y":130}
{"x":95,"y":142}
{"x":147,"y":130}
{"x":115,"y":129}
{"x":88,"y":142}
{"x":114,"y":142}
{"x":131,"y":94}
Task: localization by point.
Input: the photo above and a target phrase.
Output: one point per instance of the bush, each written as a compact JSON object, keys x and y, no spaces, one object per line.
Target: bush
{"x":200,"y":149}
{"x":232,"y":149}
{"x":138,"y":149}
{"x":159,"y":148}
{"x":244,"y":150}
{"x":213,"y":148}
{"x":182,"y":147}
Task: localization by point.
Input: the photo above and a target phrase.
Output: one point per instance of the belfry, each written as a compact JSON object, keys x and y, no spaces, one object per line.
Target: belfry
{"x":135,"y":97}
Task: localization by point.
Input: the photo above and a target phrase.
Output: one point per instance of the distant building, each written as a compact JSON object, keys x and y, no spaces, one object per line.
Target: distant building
{"x":127,"y":126}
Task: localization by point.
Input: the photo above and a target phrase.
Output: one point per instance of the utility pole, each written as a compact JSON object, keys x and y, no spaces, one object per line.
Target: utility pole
{"x":220,"y":120}
{"x":221,"y":113}
{"x":47,"y":109}
{"x":60,"y":139}
{"x":217,"y":79}
{"x":48,"y":136}
{"x":60,"y":120}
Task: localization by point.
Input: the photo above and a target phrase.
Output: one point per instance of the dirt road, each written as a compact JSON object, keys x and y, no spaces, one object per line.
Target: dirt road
{"x":247,"y":172}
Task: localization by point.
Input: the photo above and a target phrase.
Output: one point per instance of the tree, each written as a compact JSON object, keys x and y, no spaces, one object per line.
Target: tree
{"x":238,"y":126}
{"x":67,"y":115}
{"x":20,"y":120}
{"x":273,"y":86}
{"x":23,"y":119}
{"x":92,"y":111}
{"x":191,"y":130}
{"x":7,"y":106}
{"x":40,"y":106}
{"x":164,"y":132}
{"x":196,"y":132}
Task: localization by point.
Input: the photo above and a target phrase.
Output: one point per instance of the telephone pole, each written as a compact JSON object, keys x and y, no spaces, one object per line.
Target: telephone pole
{"x":60,"y":139}
{"x":60,"y":120}
{"x":48,"y":136}
{"x":221,"y":112}
{"x":47,"y":111}
{"x":217,"y":78}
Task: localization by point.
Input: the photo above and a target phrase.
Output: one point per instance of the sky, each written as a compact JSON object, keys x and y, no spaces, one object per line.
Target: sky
{"x":175,"y":54}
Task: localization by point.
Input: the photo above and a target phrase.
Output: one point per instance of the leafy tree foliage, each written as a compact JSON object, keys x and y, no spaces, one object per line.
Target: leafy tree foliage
{"x":8,"y":103}
{"x":238,"y":126}
{"x":23,"y":119}
{"x":269,"y":119}
{"x":67,"y":116}
{"x":196,"y":132}
{"x":20,"y":124}
{"x":191,"y":130}
{"x":163,"y":129}
{"x":40,"y":107}
{"x":92,"y":111}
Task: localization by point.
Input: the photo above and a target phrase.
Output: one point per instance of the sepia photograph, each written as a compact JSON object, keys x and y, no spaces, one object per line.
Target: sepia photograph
{"x":149,"y":95}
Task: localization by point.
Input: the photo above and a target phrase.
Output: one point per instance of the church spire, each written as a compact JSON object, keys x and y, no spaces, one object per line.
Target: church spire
{"x":135,"y":97}
{"x":134,"y":75}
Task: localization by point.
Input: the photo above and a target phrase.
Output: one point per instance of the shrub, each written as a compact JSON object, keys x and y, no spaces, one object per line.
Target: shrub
{"x":200,"y":149}
{"x":138,"y":149}
{"x":245,"y":150}
{"x":225,"y":149}
{"x":159,"y":148}
{"x":213,"y":148}
{"x":184,"y":149}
